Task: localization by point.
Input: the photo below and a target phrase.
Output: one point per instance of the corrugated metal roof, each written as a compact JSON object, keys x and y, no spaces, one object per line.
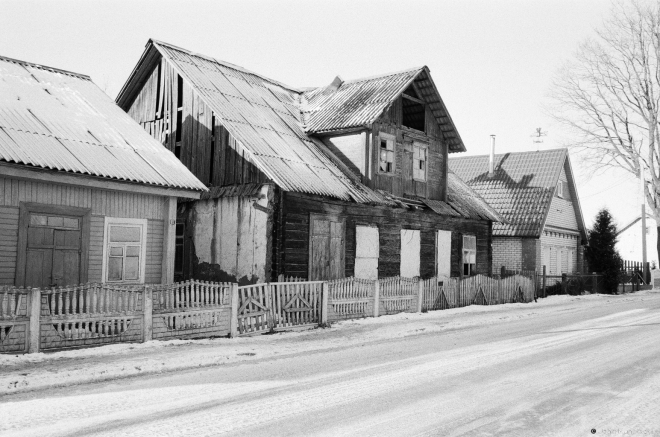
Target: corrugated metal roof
{"x":58,"y":120}
{"x":263,"y":116}
{"x":521,"y":188}
{"x":361,"y":102}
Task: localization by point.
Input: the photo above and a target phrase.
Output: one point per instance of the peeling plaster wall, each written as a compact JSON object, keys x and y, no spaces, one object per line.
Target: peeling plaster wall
{"x":230,"y":236}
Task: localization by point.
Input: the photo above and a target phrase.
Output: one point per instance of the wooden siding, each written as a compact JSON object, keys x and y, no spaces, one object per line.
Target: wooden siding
{"x":401,"y":182}
{"x":562,"y":212}
{"x":206,"y":147}
{"x":102,"y":203}
{"x":292,"y":256}
{"x":351,"y":150}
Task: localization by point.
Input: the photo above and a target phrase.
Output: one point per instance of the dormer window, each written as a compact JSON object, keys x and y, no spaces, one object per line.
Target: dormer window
{"x":386,"y":154}
{"x":419,"y":162}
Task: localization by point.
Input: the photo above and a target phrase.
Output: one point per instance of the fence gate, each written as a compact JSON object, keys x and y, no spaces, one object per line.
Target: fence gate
{"x":274,"y":306}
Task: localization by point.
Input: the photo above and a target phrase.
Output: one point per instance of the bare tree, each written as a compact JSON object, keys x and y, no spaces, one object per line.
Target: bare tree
{"x":609,"y":96}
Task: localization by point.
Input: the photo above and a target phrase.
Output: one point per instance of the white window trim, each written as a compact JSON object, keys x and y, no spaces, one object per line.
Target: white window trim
{"x":560,"y":189}
{"x":426,"y":161}
{"x":470,"y":250}
{"x":143,"y":249}
{"x":387,"y":137}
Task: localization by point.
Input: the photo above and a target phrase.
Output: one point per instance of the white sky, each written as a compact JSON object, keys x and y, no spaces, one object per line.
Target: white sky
{"x":492,"y":61}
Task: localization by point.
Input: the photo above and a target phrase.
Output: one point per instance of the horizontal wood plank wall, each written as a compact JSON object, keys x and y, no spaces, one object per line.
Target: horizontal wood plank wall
{"x":294,"y":252}
{"x":401,"y":183}
{"x":207,"y":148}
{"x":103,"y":203}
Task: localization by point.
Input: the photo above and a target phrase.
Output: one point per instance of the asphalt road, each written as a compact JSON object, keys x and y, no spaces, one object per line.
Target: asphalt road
{"x":567,"y":371}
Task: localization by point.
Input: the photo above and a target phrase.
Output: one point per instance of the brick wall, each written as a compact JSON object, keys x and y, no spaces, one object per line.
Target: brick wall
{"x":507,"y":252}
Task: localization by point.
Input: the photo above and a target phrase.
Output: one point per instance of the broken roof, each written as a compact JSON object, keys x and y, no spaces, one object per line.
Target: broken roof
{"x":58,"y":120}
{"x":521,"y":188}
{"x":267,"y":119}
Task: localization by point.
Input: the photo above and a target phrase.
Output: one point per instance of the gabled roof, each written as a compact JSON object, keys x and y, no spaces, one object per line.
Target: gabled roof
{"x":266,"y":118}
{"x":521,"y":188}
{"x":58,"y":120}
{"x":361,"y":102}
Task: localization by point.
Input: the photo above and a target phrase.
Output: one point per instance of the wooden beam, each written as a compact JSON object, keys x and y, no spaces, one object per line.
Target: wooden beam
{"x":414,"y":99}
{"x":21,"y":172}
{"x":169,"y":241}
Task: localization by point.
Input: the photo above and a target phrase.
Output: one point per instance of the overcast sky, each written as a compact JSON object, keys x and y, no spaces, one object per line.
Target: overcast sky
{"x":492,"y":61}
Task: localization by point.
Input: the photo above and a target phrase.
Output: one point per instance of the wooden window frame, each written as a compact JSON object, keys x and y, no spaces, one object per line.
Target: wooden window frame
{"x":560,"y":189}
{"x":387,"y":137}
{"x":143,"y":249}
{"x":27,"y":208}
{"x":463,"y":249}
{"x":424,"y":147}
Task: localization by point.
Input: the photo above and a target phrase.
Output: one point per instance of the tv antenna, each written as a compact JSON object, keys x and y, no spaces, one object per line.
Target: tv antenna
{"x":538,"y":135}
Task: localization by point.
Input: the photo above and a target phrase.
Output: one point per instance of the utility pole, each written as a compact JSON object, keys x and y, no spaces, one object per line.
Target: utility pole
{"x":642,"y":186}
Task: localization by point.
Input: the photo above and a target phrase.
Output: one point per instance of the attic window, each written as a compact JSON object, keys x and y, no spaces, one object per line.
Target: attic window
{"x":560,"y":189}
{"x":414,"y":112}
{"x":386,"y":154}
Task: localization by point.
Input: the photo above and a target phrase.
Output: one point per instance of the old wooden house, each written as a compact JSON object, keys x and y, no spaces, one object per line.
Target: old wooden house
{"x":320,"y":183}
{"x":85,"y":193}
{"x":536,"y":195}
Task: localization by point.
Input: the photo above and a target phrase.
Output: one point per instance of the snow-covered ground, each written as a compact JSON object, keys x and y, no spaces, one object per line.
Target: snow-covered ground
{"x":19,"y":373}
{"x":560,"y":366}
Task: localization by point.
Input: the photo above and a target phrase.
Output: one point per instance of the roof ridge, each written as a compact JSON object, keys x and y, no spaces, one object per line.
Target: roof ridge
{"x":510,"y":153}
{"x":45,"y":67}
{"x":225,"y":63}
{"x":364,"y":79}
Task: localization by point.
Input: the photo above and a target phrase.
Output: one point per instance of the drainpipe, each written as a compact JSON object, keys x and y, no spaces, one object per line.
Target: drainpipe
{"x":491,"y":171}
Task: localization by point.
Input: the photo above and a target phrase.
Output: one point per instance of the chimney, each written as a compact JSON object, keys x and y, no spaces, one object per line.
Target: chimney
{"x":491,"y":170}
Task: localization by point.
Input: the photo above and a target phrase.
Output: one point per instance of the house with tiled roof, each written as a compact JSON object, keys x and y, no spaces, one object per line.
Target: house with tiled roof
{"x":85,"y":194}
{"x":536,"y":195}
{"x":347,"y":179}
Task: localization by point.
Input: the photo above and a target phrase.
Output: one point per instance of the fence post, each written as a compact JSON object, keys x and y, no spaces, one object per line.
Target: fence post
{"x":35,"y":314}
{"x":420,"y":295}
{"x":594,"y":283}
{"x":564,"y":284}
{"x":147,"y":310}
{"x":545,"y":294}
{"x":325,"y":290}
{"x":233,"y":320}
{"x":376,"y":297}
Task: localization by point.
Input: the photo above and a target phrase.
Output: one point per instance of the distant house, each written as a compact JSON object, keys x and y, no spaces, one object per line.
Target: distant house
{"x":536,"y":195}
{"x":85,"y":193}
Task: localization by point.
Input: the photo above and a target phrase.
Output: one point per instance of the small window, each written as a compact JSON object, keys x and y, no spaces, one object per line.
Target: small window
{"x":124,"y":250}
{"x":419,"y":162}
{"x":560,"y":189}
{"x":386,"y":157}
{"x":469,"y":255}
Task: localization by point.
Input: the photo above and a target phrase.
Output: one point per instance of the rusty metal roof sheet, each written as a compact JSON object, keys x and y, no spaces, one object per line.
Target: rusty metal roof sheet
{"x":58,"y":120}
{"x":264,"y":117}
{"x":361,"y":102}
{"x":520,"y":189}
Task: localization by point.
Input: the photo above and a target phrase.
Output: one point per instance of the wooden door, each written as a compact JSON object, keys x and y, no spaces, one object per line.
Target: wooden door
{"x":326,"y":248}
{"x":53,"y":250}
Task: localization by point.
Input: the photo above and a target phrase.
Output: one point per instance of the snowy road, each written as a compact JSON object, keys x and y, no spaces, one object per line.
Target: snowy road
{"x":539,"y":369}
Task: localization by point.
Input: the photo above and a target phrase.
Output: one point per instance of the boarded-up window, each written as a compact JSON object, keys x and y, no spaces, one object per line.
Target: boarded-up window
{"x":124,"y":250}
{"x":469,"y":255}
{"x":366,"y":252}
{"x":410,"y":251}
{"x":326,"y":248}
{"x":443,"y":254}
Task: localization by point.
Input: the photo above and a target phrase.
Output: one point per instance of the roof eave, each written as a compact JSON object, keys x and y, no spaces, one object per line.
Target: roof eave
{"x":131,"y":88}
